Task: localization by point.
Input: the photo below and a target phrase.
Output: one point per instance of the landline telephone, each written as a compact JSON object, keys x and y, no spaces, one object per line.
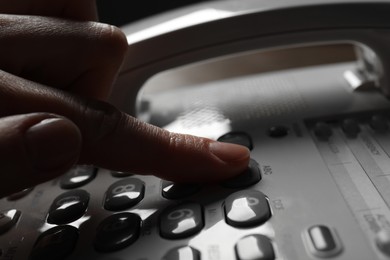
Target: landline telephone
{"x":317,"y":186}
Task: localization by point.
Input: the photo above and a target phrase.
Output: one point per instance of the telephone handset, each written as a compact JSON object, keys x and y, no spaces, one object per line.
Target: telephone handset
{"x":224,"y":27}
{"x":317,"y":186}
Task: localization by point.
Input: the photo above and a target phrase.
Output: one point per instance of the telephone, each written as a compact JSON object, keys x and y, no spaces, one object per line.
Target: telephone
{"x":303,"y":84}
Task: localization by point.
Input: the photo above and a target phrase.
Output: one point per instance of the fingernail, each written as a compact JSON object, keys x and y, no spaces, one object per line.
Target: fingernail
{"x":228,"y":152}
{"x":53,"y":143}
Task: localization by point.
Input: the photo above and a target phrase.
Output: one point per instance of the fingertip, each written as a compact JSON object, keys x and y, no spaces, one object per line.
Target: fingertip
{"x":230,"y":153}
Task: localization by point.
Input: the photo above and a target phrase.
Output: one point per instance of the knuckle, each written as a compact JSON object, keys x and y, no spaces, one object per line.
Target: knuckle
{"x":100,"y":121}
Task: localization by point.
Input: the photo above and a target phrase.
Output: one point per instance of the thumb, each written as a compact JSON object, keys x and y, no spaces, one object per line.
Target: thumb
{"x":35,"y":148}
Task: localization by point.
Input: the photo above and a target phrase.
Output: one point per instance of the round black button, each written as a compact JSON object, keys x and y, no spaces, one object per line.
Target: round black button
{"x":117,"y":231}
{"x":277,"y":131}
{"x":68,"y":207}
{"x":55,"y":243}
{"x":78,"y":176}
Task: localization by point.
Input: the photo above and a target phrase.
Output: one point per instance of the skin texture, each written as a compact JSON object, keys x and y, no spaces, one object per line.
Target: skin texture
{"x":57,"y":67}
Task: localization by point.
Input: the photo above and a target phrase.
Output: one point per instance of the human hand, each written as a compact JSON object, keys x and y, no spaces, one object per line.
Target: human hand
{"x":56,"y":69}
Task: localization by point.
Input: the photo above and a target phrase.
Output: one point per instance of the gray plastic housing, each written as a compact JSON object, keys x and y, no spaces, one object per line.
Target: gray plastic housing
{"x":223,"y":27}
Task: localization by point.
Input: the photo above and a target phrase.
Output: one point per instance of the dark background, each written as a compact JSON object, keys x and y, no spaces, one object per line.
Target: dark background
{"x":120,"y":12}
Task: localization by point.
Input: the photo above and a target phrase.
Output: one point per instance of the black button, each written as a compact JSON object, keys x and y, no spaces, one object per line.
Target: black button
{"x":8,"y":219}
{"x":182,"y":253}
{"x":257,"y":247}
{"x":20,"y":194}
{"x":379,"y":123}
{"x":174,"y":191}
{"x":68,"y":207}
{"x":55,"y":243}
{"x":246,"y":208}
{"x":121,"y":174}
{"x":78,"y":176}
{"x":350,"y":127}
{"x":251,"y":176}
{"x":323,"y":131}
{"x":181,"y":221}
{"x":278,"y":131}
{"x":124,"y":194}
{"x":240,"y":138}
{"x":117,"y":231}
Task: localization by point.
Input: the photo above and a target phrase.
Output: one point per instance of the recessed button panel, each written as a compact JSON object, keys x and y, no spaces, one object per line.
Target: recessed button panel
{"x":8,"y":219}
{"x":124,"y":194}
{"x":174,"y":191}
{"x":250,"y":177}
{"x":182,"y":253}
{"x":117,"y":231}
{"x":78,"y":176}
{"x":55,"y":243}
{"x":322,"y":241}
{"x":255,"y":247}
{"x":247,"y":208}
{"x":240,"y":138}
{"x":68,"y":207}
{"x":181,"y":221}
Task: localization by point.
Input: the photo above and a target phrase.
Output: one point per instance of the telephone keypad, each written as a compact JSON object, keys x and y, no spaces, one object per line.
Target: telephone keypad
{"x":124,"y":194}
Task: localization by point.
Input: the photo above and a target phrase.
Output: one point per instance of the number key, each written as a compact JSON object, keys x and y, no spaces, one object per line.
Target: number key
{"x":124,"y":194}
{"x":181,"y":221}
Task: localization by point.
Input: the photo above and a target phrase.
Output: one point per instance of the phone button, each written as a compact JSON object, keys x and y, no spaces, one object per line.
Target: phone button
{"x":68,"y":207}
{"x":8,"y":219}
{"x":322,"y":241}
{"x":323,"y":131}
{"x":124,"y":194}
{"x":78,"y":176}
{"x":350,"y":127}
{"x":181,"y":221}
{"x":55,"y":243}
{"x":182,"y":253}
{"x":251,"y":176}
{"x":379,"y":123}
{"x":174,"y":191}
{"x":255,"y":247}
{"x":117,"y":231}
{"x":247,"y":208}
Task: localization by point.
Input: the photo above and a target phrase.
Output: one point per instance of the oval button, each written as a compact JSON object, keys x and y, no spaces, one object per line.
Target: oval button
{"x":246,"y":208}
{"x":68,"y":207}
{"x":124,"y":194}
{"x":322,"y":241}
{"x":181,"y":221}
{"x":117,"y":231}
